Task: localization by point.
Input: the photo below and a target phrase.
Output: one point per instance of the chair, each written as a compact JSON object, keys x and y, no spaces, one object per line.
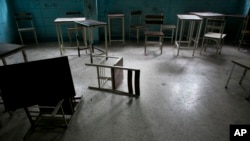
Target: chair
{"x":25,"y":23}
{"x":167,"y":27}
{"x":136,"y":25}
{"x":214,"y":32}
{"x":153,"y":28}
{"x":72,"y":28}
{"x":245,"y":32}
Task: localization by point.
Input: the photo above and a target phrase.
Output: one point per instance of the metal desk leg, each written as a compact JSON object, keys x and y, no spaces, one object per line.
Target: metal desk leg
{"x":242,"y":77}
{"x":229,"y":77}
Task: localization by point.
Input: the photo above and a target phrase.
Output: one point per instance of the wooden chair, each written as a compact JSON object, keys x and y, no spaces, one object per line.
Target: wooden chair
{"x":24,"y":22}
{"x":73,"y":29}
{"x":136,"y":25}
{"x":171,"y":28}
{"x":214,"y":31}
{"x":153,"y":28}
{"x":244,"y":34}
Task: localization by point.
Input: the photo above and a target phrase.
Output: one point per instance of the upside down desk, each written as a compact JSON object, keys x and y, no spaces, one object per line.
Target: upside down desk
{"x":9,"y":49}
{"x":90,"y":24}
{"x":58,"y":22}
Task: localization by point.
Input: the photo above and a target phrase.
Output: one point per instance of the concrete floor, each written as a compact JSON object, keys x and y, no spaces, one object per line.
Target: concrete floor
{"x":182,"y":98}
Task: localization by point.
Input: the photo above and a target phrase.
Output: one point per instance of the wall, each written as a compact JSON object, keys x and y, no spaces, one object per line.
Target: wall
{"x":45,"y":11}
{"x":170,"y":8}
{"x":8,"y":28}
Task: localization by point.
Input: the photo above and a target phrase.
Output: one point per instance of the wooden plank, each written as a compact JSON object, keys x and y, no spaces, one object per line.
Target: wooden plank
{"x":137,"y":82}
{"x":130,"y":84}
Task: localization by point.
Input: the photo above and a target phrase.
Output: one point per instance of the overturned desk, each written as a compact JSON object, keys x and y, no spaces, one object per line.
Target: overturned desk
{"x":90,"y":24}
{"x":9,"y":49}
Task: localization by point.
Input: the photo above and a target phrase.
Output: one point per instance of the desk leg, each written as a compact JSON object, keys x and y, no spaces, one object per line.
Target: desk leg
{"x":106,"y":43}
{"x":4,"y":61}
{"x":59,"y":37}
{"x":229,"y":77}
{"x":123,"y":31}
{"x":90,"y":43}
{"x":242,"y":77}
{"x":24,"y":56}
{"x":109,"y":30}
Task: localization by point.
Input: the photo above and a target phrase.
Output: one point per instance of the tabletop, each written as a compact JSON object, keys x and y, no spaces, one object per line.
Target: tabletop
{"x":207,"y":14}
{"x":89,"y":23}
{"x":6,"y":48}
{"x":69,"y":19}
{"x":242,"y":62}
{"x":188,"y":17}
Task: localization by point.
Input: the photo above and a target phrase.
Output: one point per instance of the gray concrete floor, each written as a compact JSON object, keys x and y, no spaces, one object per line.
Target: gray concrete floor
{"x":183,"y":98}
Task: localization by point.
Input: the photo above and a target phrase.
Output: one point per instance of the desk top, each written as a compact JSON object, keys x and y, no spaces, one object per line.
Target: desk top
{"x":207,"y":14}
{"x":6,"y":48}
{"x":89,"y":23}
{"x":69,"y":19}
{"x":242,"y":62}
{"x":188,"y":17}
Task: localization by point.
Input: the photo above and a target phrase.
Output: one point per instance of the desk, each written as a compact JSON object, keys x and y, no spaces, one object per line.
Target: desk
{"x":58,"y":22}
{"x":116,"y":16}
{"x":192,"y":19}
{"x":244,"y":63}
{"x":205,"y":15}
{"x":90,"y":24}
{"x":9,"y":49}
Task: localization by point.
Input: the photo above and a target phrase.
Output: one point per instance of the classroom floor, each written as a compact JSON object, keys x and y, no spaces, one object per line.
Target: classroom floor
{"x":183,"y":98}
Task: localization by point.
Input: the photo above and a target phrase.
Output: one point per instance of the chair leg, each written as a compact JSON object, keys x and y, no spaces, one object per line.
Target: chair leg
{"x":35,"y":38}
{"x":145,"y":45}
{"x":70,"y":39}
{"x":137,"y":35}
{"x":161,"y":43}
{"x":202,"y":45}
{"x":21,"y":38}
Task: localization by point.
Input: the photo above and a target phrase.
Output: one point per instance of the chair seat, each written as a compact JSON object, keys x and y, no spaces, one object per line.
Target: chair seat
{"x":26,"y":29}
{"x":153,"y":33}
{"x":245,"y":32}
{"x":137,"y":26}
{"x":168,"y":27}
{"x":214,"y":35}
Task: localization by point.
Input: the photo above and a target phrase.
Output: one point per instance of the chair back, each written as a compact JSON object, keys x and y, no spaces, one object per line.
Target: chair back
{"x":135,"y":17}
{"x":154,"y":22}
{"x":73,"y":14}
{"x":215,"y":25}
{"x":24,"y":20}
{"x":245,"y":24}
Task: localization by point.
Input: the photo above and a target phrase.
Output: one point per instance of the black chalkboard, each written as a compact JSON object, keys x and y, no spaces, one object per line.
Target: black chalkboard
{"x":41,"y":82}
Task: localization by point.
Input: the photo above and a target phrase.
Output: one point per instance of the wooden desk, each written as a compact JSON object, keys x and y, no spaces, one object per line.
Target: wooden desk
{"x":245,"y":63}
{"x":181,"y":20}
{"x":9,"y":49}
{"x":90,"y":24}
{"x":58,"y":22}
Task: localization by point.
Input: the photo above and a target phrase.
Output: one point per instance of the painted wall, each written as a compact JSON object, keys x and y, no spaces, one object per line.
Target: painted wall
{"x":8,"y":27}
{"x":45,"y":11}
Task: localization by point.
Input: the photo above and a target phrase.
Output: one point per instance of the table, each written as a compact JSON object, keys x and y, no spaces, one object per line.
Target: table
{"x":58,"y":22}
{"x":90,"y":24}
{"x":244,"y":63}
{"x":9,"y":49}
{"x":116,"y":16}
{"x":192,"y":19}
